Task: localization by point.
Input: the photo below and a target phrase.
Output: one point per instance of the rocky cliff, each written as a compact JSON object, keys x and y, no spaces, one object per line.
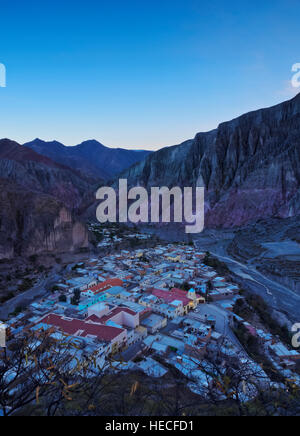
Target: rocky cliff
{"x":38,"y":204}
{"x":250,"y":166}
{"x":40,"y":174}
{"x":33,"y":223}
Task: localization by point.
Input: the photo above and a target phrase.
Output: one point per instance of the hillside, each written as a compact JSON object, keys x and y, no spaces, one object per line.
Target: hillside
{"x":91,"y":158}
{"x":250,"y":166}
{"x":38,"y":204}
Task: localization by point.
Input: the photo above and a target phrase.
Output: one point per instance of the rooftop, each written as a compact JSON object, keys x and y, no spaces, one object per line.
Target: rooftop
{"x":76,"y":327}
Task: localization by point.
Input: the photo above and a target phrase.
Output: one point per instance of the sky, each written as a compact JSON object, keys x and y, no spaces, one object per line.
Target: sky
{"x":141,"y":74}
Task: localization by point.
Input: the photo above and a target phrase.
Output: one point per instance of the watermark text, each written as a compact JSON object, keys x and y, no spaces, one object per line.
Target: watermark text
{"x":160,"y":205}
{"x":296,"y":336}
{"x":296,"y":76}
{"x":2,"y":76}
{"x":2,"y":335}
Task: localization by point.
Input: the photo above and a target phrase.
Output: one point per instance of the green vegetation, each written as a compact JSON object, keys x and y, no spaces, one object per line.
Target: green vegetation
{"x":18,"y":310}
{"x":7,"y":297}
{"x":62,"y":298}
{"x":209,"y":288}
{"x":27,"y":284}
{"x":216,"y":264}
{"x":185,"y":286}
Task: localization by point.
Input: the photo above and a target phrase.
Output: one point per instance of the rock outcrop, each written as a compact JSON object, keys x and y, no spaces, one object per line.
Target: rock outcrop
{"x":38,"y":203}
{"x":33,"y":223}
{"x":250,"y":167}
{"x":38,"y":173}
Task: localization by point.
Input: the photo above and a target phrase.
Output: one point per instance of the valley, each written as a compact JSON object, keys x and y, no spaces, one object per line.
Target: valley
{"x":249,"y":168}
{"x":251,"y":259}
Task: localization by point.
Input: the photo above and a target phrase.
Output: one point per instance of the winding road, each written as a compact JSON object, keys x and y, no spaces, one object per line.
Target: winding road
{"x":24,"y":299}
{"x":275,"y":294}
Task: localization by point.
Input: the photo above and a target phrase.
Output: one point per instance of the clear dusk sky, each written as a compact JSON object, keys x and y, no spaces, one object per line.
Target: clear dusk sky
{"x":141,"y":74}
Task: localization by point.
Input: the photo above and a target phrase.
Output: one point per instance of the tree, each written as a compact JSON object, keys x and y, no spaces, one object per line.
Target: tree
{"x":209,"y":288}
{"x":33,"y":258}
{"x":242,"y":386}
{"x":41,"y":375}
{"x":38,"y":376}
{"x":75,"y":300}
{"x":185,"y":286}
{"x":33,"y":369}
{"x":206,"y":258}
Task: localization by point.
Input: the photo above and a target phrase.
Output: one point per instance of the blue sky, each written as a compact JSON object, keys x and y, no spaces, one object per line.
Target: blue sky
{"x":141,"y":74}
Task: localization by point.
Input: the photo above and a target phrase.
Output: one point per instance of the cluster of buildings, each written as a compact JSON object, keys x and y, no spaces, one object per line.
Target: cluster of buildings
{"x":142,"y":308}
{"x":107,"y":238}
{"x":283,"y":359}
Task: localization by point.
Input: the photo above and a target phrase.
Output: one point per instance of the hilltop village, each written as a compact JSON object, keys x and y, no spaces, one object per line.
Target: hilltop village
{"x":150,"y":309}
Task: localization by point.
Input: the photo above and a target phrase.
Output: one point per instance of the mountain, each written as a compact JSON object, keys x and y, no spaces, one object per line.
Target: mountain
{"x":38,"y":203}
{"x":90,"y":157}
{"x":250,"y":166}
{"x":33,"y":223}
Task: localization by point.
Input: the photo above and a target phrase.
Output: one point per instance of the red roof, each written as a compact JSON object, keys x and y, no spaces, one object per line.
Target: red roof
{"x":170,"y":296}
{"x":179,"y":291}
{"x":77,"y":327}
{"x":93,"y":318}
{"x":113,"y":313}
{"x":104,"y":286}
{"x":182,"y":292}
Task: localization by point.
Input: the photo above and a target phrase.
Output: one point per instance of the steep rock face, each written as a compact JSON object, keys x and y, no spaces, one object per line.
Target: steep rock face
{"x":91,"y":158}
{"x":33,"y":223}
{"x":38,"y":203}
{"x":249,"y":166}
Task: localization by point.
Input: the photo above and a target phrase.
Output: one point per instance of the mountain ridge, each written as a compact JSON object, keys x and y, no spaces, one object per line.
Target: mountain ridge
{"x":39,"y":199}
{"x":249,"y":166}
{"x":90,"y":157}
